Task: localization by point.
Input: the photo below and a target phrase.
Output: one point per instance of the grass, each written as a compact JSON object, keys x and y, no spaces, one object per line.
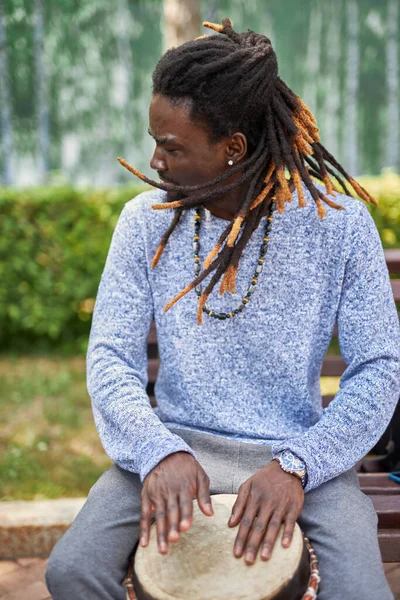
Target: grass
{"x":49,"y":446}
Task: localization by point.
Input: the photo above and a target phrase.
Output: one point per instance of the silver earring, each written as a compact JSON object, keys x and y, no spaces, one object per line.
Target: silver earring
{"x":230,"y":162}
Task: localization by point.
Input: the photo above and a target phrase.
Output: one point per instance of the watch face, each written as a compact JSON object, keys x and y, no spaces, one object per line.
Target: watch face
{"x":291,"y":462}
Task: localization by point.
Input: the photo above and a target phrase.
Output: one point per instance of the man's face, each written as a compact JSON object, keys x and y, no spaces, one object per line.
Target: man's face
{"x":183,"y":154}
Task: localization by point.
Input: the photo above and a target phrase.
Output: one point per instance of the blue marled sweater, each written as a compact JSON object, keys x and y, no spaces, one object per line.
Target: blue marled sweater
{"x":254,"y":377}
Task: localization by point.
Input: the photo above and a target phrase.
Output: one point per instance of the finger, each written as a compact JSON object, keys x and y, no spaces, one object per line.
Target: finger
{"x":245,"y":526}
{"x":256,"y":536}
{"x":162,"y":526}
{"x":203,"y":495}
{"x":271,"y":534}
{"x":239,"y":506}
{"x":186,"y":510}
{"x":145,"y":520}
{"x":290,"y":522}
{"x":173,"y":518}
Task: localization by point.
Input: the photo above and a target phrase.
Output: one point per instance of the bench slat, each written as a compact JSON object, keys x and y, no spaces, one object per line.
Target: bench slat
{"x":378,"y":484}
{"x":389,"y":544}
{"x":152,"y":369}
{"x":152,"y":337}
{"x":333,"y":366}
{"x":396,"y":288}
{"x":393,"y":260}
{"x":388,"y":510}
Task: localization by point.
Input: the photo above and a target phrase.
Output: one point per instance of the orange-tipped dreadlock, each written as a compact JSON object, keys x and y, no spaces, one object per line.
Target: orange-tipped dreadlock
{"x":283,"y":140}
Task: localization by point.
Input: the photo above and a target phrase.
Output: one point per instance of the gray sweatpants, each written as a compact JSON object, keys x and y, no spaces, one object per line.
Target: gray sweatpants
{"x":91,"y":560}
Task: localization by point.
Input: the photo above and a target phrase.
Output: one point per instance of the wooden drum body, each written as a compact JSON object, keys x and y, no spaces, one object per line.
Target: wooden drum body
{"x":201,"y":565}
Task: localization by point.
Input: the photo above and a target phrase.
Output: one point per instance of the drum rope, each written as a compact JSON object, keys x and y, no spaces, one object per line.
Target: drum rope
{"x":313,"y":582}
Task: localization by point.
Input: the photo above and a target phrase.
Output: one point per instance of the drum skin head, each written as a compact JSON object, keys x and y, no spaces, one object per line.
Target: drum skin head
{"x":201,"y":565}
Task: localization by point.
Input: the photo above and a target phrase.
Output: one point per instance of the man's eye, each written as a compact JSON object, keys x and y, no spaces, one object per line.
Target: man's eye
{"x":171,"y":150}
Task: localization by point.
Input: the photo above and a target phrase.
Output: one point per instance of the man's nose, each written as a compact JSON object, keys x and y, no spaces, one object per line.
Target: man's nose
{"x":157,"y":163}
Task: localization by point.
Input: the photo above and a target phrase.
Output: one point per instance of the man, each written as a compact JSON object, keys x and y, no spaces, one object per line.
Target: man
{"x":238,"y":397}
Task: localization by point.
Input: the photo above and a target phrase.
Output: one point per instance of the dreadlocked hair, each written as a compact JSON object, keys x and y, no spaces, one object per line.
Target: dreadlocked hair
{"x":231,"y":82}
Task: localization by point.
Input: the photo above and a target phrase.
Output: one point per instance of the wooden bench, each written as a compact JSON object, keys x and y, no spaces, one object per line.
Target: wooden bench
{"x":384,"y":493}
{"x":385,"y":496}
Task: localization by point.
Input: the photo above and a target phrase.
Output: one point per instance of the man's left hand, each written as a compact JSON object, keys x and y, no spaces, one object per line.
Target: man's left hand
{"x":274,"y":497}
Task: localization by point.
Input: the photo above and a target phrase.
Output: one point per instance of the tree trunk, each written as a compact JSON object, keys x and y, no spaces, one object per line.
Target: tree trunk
{"x":330,"y":132}
{"x":126,"y":70}
{"x":5,"y":115}
{"x":181,"y":22}
{"x":392,"y":78}
{"x":41,"y":92}
{"x":350,"y":142}
{"x":313,"y":58}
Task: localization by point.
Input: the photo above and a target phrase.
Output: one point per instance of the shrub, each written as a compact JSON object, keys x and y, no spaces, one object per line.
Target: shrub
{"x":53,"y":246}
{"x":386,"y":190}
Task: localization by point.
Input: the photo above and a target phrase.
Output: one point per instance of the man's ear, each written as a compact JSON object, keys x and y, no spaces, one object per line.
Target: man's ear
{"x":236,"y":149}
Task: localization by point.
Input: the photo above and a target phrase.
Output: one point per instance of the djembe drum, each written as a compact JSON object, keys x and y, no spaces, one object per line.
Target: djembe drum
{"x":201,"y":565}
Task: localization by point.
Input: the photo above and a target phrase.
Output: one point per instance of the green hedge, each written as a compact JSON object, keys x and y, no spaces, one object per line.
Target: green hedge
{"x":386,"y":190}
{"x":53,"y":245}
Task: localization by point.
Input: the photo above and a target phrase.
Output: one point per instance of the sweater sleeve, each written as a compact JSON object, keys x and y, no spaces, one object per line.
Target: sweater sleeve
{"x":130,"y":431}
{"x":369,"y":339}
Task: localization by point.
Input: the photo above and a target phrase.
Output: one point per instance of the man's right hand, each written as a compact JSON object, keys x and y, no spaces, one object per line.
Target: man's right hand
{"x":169,"y":489}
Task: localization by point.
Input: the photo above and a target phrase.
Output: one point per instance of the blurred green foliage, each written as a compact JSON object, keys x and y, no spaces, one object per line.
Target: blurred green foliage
{"x":53,"y":246}
{"x":386,"y":190}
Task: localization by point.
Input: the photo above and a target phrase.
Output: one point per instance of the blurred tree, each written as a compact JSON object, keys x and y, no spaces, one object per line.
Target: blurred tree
{"x":313,"y":58}
{"x":331,"y":106}
{"x":6,"y":124}
{"x":181,"y":21}
{"x":392,"y":78}
{"x":352,"y":71}
{"x":124,"y":71}
{"x":372,"y":90}
{"x":42,"y":102}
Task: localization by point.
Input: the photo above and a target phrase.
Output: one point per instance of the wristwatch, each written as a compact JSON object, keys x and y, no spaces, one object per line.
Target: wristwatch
{"x":291,"y":463}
